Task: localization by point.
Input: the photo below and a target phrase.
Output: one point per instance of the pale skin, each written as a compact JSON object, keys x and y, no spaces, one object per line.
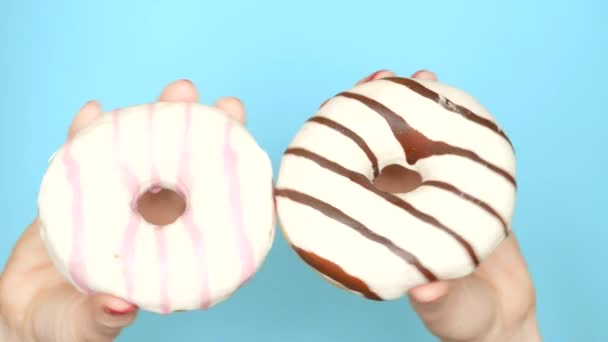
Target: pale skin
{"x":496,"y":303}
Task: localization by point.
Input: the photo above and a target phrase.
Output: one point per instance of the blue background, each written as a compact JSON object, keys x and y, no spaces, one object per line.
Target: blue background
{"x":540,"y":67}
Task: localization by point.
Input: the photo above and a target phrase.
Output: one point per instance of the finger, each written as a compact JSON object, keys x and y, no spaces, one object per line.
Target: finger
{"x":102,"y":317}
{"x":506,"y":269}
{"x":425,"y":75}
{"x":232,"y":107}
{"x":90,"y":112}
{"x":60,"y":313}
{"x":111,"y":313}
{"x":179,"y":91}
{"x":457,"y":309}
{"x":374,"y":76}
{"x":430,"y":292}
{"x":377,"y":75}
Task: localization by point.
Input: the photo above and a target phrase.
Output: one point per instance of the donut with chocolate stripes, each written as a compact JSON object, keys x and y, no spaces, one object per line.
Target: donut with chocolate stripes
{"x":379,"y":244}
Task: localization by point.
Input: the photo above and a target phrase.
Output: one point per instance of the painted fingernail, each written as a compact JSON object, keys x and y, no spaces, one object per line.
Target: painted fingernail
{"x":115,"y":312}
{"x":373,"y":76}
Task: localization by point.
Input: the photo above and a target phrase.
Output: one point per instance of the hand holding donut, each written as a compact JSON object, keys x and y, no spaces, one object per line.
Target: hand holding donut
{"x":37,"y":303}
{"x":348,"y":233}
{"x":495,"y":303}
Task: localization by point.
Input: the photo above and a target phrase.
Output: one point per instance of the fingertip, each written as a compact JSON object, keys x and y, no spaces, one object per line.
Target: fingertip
{"x":93,"y":104}
{"x":88,"y":113}
{"x":179,"y":91}
{"x":429,"y":292}
{"x":233,"y":107}
{"x":425,"y":75}
{"x":114,"y":306}
{"x":377,"y":75}
{"x":110,"y":312}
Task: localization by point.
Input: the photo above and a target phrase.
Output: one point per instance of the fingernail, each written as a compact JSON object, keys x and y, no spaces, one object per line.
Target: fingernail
{"x":94,"y":103}
{"x":117,"y":312}
{"x":418,"y":73}
{"x":373,"y":76}
{"x":424,"y":74}
{"x":430,"y":292}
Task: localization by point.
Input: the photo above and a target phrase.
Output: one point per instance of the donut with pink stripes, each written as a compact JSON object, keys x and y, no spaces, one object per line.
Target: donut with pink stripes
{"x":99,"y":240}
{"x":380,"y":244}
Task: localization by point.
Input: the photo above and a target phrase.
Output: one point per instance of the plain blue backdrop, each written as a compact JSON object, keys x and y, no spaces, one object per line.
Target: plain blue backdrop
{"x":539,"y":66}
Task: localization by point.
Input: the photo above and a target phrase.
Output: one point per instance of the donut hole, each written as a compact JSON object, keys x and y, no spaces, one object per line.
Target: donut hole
{"x":397,"y":179}
{"x":161,"y":206}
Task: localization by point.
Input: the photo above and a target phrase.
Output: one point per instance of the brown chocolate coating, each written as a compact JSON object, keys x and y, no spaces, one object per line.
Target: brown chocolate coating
{"x":336,"y":273}
{"x":416,"y":145}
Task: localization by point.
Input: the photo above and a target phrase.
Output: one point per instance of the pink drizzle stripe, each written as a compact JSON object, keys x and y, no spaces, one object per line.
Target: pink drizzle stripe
{"x":128,"y":253}
{"x":199,"y":249}
{"x":77,"y":265}
{"x":155,"y":175}
{"x":193,"y":230}
{"x":127,"y":249}
{"x":161,"y":246}
{"x":234,"y":197}
{"x":159,"y":232}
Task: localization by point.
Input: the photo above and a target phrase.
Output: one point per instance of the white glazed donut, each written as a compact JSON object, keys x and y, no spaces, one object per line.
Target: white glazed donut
{"x":98,"y":240}
{"x":379,"y":244}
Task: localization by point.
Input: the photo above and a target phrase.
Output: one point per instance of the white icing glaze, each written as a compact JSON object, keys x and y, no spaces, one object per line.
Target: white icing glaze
{"x":472,"y":215}
{"x":196,"y":273}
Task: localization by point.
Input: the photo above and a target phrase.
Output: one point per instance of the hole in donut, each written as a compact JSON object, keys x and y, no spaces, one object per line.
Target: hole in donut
{"x":397,"y":179}
{"x":161,"y":206}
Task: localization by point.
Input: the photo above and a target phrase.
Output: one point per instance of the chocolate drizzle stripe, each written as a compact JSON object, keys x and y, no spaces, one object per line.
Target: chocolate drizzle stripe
{"x":485,"y":206}
{"x":416,"y":145}
{"x":336,"y":214}
{"x":335,"y":272}
{"x":362,"y":181}
{"x":449,"y":105}
{"x":353,"y":136}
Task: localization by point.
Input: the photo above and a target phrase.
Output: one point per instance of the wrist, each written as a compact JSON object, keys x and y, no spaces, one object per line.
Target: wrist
{"x":526,"y":330}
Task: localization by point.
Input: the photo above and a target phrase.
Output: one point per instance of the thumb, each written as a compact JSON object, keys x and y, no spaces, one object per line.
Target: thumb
{"x":110,"y":314}
{"x":461,"y":309}
{"x":64,"y":314}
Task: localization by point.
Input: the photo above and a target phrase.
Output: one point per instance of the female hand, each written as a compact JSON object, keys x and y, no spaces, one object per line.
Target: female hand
{"x":37,"y":303}
{"x":494,"y":304}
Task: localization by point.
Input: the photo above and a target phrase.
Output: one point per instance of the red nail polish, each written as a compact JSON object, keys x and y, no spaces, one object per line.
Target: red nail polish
{"x":373,"y":76}
{"x":113,"y":312}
